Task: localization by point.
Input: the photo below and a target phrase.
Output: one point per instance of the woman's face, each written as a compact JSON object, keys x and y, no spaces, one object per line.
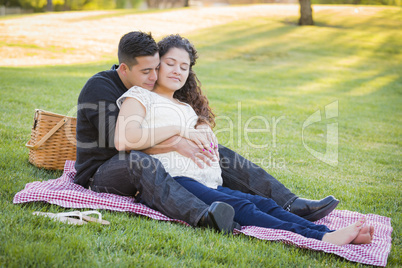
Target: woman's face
{"x":174,"y":69}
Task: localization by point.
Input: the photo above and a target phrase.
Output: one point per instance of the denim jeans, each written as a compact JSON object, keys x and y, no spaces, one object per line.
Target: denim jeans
{"x":138,"y":174}
{"x":255,"y":210}
{"x":238,"y":173}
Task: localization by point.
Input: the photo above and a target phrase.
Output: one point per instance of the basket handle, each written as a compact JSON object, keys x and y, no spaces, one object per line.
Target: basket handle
{"x":48,"y":135}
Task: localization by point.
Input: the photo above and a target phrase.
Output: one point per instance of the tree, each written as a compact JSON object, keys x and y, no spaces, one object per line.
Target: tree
{"x":306,"y":13}
{"x":49,"y":6}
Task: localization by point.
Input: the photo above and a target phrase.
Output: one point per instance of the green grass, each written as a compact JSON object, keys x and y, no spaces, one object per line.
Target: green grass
{"x":272,"y":69}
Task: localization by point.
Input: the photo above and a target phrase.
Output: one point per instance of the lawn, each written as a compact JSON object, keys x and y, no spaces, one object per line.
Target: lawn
{"x":264,"y":78}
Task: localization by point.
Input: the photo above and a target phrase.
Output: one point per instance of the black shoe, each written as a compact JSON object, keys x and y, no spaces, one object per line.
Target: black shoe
{"x":236,"y":226}
{"x":219,"y":217}
{"x":313,"y":210}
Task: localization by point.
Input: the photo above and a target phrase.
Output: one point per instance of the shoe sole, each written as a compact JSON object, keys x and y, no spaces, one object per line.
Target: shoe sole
{"x":222,"y":216}
{"x":321,"y":213}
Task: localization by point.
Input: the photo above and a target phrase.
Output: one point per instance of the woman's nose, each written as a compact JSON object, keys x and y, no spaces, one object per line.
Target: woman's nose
{"x":176,"y":70}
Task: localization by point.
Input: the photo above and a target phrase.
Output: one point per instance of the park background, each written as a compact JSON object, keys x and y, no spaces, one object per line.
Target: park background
{"x":254,"y":61}
{"x":29,"y":6}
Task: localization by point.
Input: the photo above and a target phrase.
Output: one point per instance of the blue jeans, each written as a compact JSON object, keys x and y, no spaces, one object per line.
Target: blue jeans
{"x":238,"y":173}
{"x":138,"y":174}
{"x":254,"y":209}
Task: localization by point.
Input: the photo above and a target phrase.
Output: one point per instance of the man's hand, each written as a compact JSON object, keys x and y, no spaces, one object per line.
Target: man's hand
{"x":184,"y":147}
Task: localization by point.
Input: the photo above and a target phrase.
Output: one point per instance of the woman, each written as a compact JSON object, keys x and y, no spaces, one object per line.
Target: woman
{"x":174,"y":108}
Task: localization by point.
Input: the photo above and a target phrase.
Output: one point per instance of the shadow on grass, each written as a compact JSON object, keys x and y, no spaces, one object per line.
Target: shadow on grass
{"x":284,"y":49}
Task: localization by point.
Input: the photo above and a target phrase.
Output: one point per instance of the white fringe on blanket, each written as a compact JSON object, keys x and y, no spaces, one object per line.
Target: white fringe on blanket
{"x":65,"y":193}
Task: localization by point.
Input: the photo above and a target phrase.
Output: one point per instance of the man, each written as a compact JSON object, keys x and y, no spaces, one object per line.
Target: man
{"x":102,"y":168}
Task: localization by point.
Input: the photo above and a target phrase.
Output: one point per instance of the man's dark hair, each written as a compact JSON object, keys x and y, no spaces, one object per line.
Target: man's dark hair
{"x":136,"y":44}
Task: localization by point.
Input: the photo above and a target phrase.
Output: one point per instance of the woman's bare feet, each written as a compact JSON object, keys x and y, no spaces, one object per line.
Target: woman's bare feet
{"x":365,"y":235}
{"x":348,"y":234}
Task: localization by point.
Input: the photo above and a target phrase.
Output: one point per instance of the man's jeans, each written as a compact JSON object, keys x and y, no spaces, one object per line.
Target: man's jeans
{"x":241,"y":174}
{"x":138,"y":174}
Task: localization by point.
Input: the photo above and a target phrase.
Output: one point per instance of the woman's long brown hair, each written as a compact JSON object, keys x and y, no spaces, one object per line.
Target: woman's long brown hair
{"x":191,"y":92}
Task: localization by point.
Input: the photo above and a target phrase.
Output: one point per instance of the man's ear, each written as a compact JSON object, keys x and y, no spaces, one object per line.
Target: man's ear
{"x":123,"y":69}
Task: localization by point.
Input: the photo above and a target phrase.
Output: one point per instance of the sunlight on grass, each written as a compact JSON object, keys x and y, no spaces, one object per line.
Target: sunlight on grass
{"x":375,"y":84}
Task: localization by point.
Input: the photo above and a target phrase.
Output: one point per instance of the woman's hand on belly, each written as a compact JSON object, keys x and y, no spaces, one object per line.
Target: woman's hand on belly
{"x":190,"y":150}
{"x":206,"y":129}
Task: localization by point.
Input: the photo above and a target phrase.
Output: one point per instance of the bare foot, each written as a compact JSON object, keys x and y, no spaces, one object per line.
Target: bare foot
{"x":365,"y":235}
{"x":345,"y":235}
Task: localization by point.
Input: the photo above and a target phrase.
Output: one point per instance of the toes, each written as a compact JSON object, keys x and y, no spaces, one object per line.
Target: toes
{"x":371,"y":230}
{"x":360,"y":222}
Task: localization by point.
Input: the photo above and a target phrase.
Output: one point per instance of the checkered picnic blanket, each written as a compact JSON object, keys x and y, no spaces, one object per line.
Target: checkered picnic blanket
{"x":65,"y":193}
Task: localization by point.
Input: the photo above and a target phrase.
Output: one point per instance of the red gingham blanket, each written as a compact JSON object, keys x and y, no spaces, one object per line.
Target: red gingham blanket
{"x":65,"y":193}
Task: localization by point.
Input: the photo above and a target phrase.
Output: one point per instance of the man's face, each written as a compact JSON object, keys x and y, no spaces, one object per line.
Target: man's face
{"x":144,"y":74}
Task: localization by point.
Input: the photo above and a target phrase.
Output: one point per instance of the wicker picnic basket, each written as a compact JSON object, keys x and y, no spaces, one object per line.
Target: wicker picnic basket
{"x":52,"y":140}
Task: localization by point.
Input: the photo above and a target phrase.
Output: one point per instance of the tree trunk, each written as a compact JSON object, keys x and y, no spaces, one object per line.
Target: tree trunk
{"x":49,"y":6}
{"x":306,"y":13}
